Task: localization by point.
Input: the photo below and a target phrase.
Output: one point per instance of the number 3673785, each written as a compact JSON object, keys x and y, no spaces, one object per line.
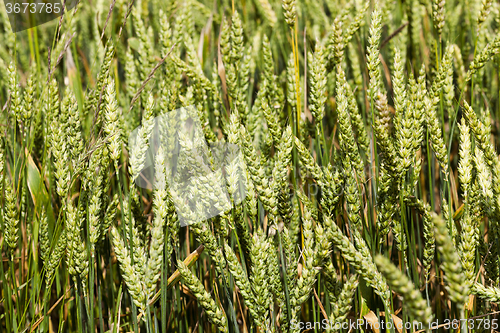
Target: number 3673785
{"x":33,"y":7}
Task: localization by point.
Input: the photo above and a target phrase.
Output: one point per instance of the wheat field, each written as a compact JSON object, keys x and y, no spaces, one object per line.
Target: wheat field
{"x":251,"y":166}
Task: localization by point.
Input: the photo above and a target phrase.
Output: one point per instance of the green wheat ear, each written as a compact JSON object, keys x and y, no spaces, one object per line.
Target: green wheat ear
{"x":11,"y":217}
{"x":355,"y":123}
{"x":400,"y":283}
{"x":214,"y":313}
{"x":457,"y":287}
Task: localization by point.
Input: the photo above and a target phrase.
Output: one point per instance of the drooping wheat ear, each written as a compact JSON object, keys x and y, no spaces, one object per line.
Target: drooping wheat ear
{"x":482,"y":135}
{"x":192,"y":73}
{"x":214,"y":313}
{"x":483,"y":13}
{"x":483,"y":57}
{"x":491,"y":294}
{"x":11,"y":216}
{"x":364,"y":265}
{"x":401,"y":284}
{"x":457,"y":287}
{"x":112,"y":125}
{"x":307,"y":161}
{"x":373,"y":61}
{"x":135,"y":286}
{"x":333,"y":283}
{"x":290,"y":12}
{"x":207,"y":238}
{"x":241,"y":280}
{"x":489,"y":255}
{"x":329,"y":180}
{"x":53,"y":260}
{"x":438,"y":15}
{"x":316,"y":249}
{"x":343,"y":303}
{"x":356,"y":23}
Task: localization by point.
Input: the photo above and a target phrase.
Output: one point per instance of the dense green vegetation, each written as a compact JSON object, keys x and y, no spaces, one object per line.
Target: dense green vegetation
{"x":368,"y":182}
